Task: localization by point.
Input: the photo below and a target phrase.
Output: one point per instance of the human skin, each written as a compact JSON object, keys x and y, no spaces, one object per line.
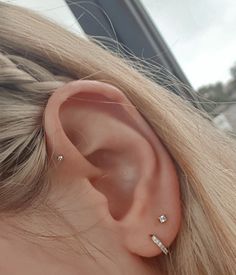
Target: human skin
{"x":116,"y":178}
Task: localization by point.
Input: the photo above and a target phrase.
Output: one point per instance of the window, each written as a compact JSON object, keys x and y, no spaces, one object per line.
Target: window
{"x":201,"y":35}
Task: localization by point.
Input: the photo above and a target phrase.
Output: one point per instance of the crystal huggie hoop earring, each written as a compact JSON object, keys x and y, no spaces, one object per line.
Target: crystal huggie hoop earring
{"x":159,"y":244}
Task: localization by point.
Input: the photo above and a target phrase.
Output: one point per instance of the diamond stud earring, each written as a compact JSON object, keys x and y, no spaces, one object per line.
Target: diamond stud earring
{"x":162,"y":218}
{"x":60,"y":157}
{"x":159,"y":244}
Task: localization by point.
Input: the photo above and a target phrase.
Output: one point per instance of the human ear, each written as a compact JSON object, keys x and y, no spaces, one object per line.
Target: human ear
{"x":104,"y":139}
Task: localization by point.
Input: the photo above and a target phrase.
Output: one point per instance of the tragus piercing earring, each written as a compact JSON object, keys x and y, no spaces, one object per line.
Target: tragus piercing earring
{"x":159,"y":244}
{"x":162,"y":218}
{"x":60,"y":158}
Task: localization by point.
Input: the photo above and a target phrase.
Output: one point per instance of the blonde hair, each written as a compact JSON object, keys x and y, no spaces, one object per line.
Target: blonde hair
{"x":36,"y":57}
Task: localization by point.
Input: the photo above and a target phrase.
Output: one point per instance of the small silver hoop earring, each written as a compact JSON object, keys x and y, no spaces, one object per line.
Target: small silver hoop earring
{"x":162,"y":218}
{"x":159,"y":244}
{"x":60,"y":158}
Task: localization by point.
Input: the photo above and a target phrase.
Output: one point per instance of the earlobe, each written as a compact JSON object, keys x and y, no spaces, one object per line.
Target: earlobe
{"x":103,"y":138}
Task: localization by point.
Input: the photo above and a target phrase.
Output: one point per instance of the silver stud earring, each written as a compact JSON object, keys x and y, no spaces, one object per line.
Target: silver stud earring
{"x":162,"y":218}
{"x":60,"y":158}
{"x":159,"y":244}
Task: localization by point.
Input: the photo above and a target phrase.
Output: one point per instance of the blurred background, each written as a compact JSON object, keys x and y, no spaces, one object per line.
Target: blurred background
{"x":194,"y":41}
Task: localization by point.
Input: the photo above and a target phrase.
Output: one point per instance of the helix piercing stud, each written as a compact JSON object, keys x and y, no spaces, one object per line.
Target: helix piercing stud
{"x":60,"y":157}
{"x":162,"y":218}
{"x":159,"y":244}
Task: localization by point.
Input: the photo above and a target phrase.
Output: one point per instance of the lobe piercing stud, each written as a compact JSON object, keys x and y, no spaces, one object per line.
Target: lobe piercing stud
{"x":162,"y":218}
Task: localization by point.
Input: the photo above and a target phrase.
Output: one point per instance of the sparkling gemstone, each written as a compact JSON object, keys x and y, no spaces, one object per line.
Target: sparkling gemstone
{"x":162,"y":218}
{"x":60,"y":158}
